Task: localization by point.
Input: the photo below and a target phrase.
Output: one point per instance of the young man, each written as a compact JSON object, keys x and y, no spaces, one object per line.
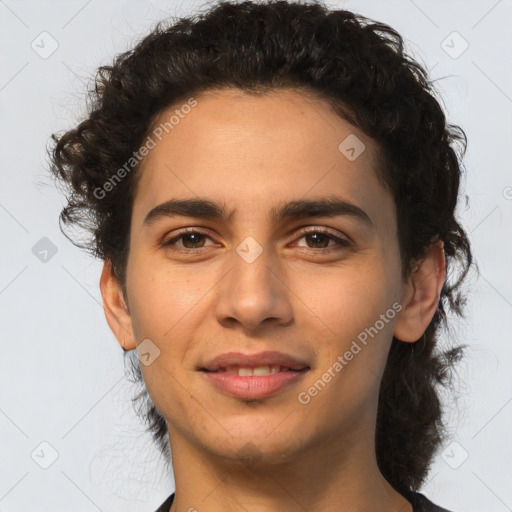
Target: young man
{"x":272,"y":189}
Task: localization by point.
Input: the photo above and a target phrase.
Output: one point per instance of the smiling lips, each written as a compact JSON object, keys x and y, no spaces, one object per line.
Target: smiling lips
{"x":258,"y":371}
{"x":253,"y":376}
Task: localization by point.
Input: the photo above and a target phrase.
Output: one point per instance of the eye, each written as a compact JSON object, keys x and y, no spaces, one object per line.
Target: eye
{"x":192,"y":240}
{"x":322,"y":237}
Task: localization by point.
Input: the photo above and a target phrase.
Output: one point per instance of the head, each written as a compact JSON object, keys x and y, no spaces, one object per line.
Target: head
{"x":242,"y":110}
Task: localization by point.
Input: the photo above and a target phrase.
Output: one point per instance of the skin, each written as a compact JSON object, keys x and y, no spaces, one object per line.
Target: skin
{"x":251,"y":153}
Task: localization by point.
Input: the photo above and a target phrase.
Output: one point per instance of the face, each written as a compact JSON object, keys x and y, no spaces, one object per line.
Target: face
{"x":322,"y":287}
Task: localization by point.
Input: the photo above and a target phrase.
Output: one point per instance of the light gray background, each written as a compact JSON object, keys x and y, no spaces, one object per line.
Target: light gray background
{"x":61,"y":375}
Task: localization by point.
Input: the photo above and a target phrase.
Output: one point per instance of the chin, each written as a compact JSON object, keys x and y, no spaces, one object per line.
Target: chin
{"x":257,"y":444}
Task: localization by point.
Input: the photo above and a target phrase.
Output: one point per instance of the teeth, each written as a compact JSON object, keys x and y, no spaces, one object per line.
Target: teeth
{"x":260,"y":371}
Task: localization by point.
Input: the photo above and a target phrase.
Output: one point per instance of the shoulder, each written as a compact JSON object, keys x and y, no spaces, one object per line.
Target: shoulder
{"x":166,"y":505}
{"x":421,"y":503}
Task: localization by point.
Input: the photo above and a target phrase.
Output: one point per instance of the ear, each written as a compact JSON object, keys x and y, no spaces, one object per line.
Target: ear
{"x":421,"y":295}
{"x":115,"y":308}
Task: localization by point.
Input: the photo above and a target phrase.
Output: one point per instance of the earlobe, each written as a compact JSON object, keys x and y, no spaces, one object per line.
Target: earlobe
{"x":116,"y":310}
{"x":421,"y":294}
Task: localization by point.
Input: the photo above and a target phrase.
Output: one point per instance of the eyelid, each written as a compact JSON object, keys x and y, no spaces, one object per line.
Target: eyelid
{"x":184,"y":231}
{"x":343,"y":241}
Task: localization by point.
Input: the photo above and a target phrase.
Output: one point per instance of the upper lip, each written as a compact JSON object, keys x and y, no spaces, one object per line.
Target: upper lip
{"x":254,"y":360}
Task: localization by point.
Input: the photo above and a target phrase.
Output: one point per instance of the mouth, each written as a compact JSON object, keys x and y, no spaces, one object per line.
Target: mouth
{"x":258,"y":371}
{"x":256,"y":376}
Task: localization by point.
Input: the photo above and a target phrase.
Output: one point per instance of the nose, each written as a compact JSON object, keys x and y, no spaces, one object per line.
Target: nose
{"x":255,"y":292}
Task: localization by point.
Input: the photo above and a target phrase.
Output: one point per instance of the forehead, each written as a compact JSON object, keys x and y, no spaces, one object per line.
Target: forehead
{"x":245,"y":150}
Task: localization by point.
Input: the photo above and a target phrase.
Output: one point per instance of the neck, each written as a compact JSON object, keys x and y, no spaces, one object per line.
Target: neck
{"x":335,"y":477}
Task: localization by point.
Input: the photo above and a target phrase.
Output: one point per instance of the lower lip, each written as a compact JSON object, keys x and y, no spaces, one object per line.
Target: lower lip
{"x":253,"y":387}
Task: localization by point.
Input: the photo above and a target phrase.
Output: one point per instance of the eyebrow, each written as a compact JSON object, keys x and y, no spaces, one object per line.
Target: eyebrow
{"x":296,"y":209}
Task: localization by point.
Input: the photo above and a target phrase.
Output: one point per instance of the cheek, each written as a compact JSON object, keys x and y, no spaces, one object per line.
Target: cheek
{"x":162,"y":297}
{"x":163,"y":310}
{"x":349,"y":314}
{"x":343,"y":300}
{"x":167,"y":307}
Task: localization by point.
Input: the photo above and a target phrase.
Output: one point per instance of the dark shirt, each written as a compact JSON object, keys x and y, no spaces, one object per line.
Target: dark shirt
{"x":419,"y":503}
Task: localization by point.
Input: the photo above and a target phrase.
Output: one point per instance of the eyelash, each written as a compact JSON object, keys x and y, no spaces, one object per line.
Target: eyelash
{"x":341,"y":242}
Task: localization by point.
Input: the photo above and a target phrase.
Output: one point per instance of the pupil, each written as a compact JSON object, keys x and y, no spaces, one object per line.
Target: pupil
{"x":315,"y":236}
{"x":197,"y":236}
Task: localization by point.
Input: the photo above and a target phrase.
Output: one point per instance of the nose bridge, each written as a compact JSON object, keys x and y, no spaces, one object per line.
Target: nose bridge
{"x":252,"y":267}
{"x":254,"y":290}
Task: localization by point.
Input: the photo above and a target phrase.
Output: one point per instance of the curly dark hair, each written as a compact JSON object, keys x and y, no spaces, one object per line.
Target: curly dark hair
{"x":358,"y":66}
